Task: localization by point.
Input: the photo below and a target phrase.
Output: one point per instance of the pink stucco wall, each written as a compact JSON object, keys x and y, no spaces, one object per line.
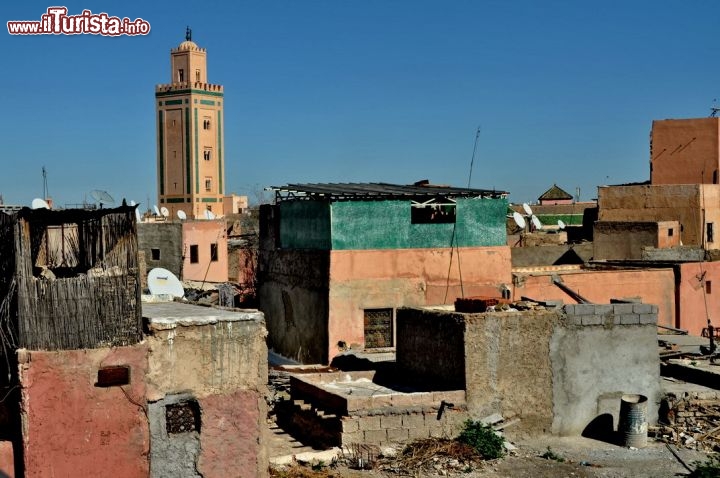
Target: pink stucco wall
{"x":391,"y":278}
{"x":74,"y":428}
{"x":7,"y":462}
{"x":654,"y":286}
{"x":203,"y":234}
{"x":697,"y":300}
{"x":231,"y":427}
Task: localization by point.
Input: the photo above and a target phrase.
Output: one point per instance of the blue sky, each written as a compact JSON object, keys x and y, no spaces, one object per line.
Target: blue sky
{"x":363,"y":90}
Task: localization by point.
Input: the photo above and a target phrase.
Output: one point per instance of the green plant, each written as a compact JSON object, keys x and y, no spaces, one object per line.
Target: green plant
{"x":483,"y":438}
{"x":551,"y":455}
{"x":707,"y":469}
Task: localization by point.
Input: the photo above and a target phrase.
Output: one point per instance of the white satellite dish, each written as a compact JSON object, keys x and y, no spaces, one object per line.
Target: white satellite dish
{"x":164,"y":211}
{"x":38,"y":203}
{"x":209,"y":214}
{"x":163,"y":282}
{"x":561,"y":224}
{"x":102,"y":197}
{"x":137,"y":215}
{"x":157,"y":211}
{"x":181,"y":215}
{"x":519,"y":220}
{"x":132,"y":203}
{"x":536,"y":222}
{"x":526,"y":208}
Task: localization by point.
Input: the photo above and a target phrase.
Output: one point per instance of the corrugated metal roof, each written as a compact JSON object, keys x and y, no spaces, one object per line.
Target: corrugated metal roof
{"x":370,"y":191}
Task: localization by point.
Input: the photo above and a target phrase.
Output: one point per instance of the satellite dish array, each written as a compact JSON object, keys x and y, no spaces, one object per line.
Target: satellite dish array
{"x":533,"y":219}
{"x":38,"y":203}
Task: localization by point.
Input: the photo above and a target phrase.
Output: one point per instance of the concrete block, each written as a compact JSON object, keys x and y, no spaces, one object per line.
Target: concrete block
{"x":630,"y":319}
{"x":570,"y":309}
{"x":456,"y":397}
{"x":622,"y":309}
{"x":602,"y":309}
{"x":418,"y":433}
{"x":585,"y":309}
{"x":392,"y":421}
{"x":350,"y":425}
{"x":353,"y":437}
{"x":380,"y":401}
{"x":397,"y":435}
{"x":611,"y":319}
{"x":415,"y":420}
{"x":369,"y":423}
{"x":654,"y":309}
{"x":648,"y":319}
{"x":642,"y":308}
{"x":592,"y":320}
{"x":375,"y":437}
{"x":402,"y":399}
{"x":575,"y":319}
{"x":354,"y":404}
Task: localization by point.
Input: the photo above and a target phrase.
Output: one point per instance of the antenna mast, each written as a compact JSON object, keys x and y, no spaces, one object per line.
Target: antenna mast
{"x":45,"y":188}
{"x":472,"y":160}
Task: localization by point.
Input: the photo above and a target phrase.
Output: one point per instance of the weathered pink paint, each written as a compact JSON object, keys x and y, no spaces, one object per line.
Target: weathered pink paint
{"x":74,"y":428}
{"x":203,"y":234}
{"x":7,"y":461}
{"x":390,"y":278}
{"x":230,"y":431}
{"x":653,"y":286}
{"x":698,"y":290}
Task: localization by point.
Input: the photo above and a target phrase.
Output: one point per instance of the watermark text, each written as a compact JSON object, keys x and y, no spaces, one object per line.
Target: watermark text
{"x":56,"y":21}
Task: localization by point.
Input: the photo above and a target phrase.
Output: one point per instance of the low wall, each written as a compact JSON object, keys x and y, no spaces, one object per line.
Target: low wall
{"x":556,"y":370}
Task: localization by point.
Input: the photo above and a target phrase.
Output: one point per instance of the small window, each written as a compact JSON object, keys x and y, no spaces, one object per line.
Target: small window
{"x":715,"y":176}
{"x":708,"y":287}
{"x":194,"y":254}
{"x":670,"y":232}
{"x":378,"y":328}
{"x":207,"y":155}
{"x":710,"y":235}
{"x":213,"y":252}
{"x":432,"y":213}
{"x":181,"y":75}
{"x":197,"y":76}
{"x":155,"y":254}
{"x":208,"y":184}
{"x":182,"y":417}
{"x":206,"y":123}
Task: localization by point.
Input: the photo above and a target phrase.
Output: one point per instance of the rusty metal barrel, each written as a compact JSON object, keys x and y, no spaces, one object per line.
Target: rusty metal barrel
{"x":632,"y":425}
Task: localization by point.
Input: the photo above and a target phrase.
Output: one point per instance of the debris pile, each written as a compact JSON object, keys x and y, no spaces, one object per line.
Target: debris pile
{"x":496,"y":304}
{"x":689,"y":422}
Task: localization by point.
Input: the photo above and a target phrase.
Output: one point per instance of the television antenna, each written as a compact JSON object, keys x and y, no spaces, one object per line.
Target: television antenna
{"x":39,"y":203}
{"x":164,"y":211}
{"x":181,"y":215}
{"x":528,"y":210}
{"x":157,"y":211}
{"x":519,"y":220}
{"x":561,"y":224}
{"x":713,"y":110}
{"x":209,"y":214}
{"x":163,"y":282}
{"x":536,"y":222}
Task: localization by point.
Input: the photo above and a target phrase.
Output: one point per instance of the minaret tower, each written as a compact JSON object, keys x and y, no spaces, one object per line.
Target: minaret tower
{"x":191,"y":169}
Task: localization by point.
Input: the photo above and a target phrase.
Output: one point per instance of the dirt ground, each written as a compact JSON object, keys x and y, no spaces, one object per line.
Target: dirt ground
{"x":582,"y":458}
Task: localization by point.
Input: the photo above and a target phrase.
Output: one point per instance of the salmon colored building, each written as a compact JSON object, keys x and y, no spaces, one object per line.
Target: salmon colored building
{"x":205,"y":251}
{"x":337,"y":260}
{"x":685,"y":151}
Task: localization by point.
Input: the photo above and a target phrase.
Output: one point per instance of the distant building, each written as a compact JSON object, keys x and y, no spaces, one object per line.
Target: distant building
{"x":336,"y":260}
{"x":555,"y":195}
{"x":685,"y":151}
{"x":191,"y":167}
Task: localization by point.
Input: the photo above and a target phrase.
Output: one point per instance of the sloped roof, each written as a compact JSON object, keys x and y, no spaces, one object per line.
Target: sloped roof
{"x":375,"y":191}
{"x":554,"y":193}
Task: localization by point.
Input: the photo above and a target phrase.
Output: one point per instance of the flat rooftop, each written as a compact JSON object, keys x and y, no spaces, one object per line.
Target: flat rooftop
{"x":169,"y":315}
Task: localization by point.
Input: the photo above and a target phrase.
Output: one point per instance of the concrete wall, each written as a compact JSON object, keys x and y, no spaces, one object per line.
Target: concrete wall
{"x":692,"y":205}
{"x":626,"y":240}
{"x":685,"y":151}
{"x":71,"y":426}
{"x":387,"y":225}
{"x":293,"y":295}
{"x":698,"y":291}
{"x":218,"y":359}
{"x":203,"y":233}
{"x":406,"y":277}
{"x":551,"y":255}
{"x":653,"y":286}
{"x":304,"y":225}
{"x":165,"y":236}
{"x":557,"y":372}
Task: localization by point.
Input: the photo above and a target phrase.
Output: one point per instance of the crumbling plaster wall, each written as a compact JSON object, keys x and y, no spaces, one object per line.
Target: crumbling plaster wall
{"x":220,"y":361}
{"x":72,"y":427}
{"x":555,"y":371}
{"x":685,"y":151}
{"x":624,"y":240}
{"x":293,"y":295}
{"x":165,"y":236}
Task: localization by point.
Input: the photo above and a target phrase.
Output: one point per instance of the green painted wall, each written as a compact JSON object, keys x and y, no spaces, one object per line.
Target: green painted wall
{"x":386,"y":225}
{"x":305,"y":225}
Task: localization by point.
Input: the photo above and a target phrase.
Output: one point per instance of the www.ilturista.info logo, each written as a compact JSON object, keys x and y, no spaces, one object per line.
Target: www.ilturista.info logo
{"x":57,"y":22}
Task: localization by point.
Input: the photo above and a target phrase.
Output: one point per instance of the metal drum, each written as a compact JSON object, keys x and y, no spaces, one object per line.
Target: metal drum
{"x":632,"y":426}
